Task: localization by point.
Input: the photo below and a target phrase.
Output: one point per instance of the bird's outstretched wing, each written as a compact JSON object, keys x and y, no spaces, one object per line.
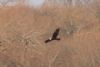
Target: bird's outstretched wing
{"x":47,"y":41}
{"x":55,"y":34}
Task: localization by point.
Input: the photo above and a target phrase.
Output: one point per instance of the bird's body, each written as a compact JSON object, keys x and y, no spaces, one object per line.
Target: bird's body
{"x":54,"y":36}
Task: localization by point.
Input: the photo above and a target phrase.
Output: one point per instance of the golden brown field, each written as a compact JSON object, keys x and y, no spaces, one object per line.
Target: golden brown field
{"x":24,"y":30}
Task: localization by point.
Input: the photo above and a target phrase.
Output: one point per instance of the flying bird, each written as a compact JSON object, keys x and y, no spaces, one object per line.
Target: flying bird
{"x":54,"y":36}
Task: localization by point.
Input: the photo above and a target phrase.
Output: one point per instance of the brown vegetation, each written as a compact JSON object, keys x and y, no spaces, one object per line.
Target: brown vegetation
{"x":24,"y":30}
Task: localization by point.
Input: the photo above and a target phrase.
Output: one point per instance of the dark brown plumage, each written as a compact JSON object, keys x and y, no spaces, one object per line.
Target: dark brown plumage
{"x":54,"y":36}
